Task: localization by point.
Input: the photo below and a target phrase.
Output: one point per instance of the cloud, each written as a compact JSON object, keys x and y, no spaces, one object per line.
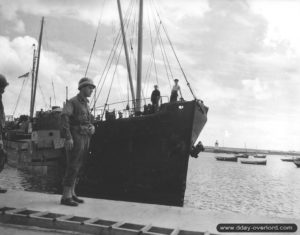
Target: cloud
{"x":259,"y":89}
{"x":87,"y":11}
{"x":19,"y":26}
{"x":227,"y":134}
{"x":17,"y":60}
{"x":16,"y":55}
{"x":282,"y":17}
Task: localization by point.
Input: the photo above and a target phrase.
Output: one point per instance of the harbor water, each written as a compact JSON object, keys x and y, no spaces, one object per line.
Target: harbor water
{"x":272,"y":190}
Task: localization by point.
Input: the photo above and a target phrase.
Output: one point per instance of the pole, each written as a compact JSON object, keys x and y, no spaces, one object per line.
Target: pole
{"x":66,"y":93}
{"x":140,"y":58}
{"x":95,"y":92}
{"x":32,"y":81}
{"x":126,"y":53}
{"x":38,"y":63}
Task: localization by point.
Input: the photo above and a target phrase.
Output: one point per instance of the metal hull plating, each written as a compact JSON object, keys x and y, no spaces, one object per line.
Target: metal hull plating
{"x":145,"y":158}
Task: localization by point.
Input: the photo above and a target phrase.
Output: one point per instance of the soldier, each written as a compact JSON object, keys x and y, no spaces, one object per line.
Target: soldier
{"x":3,"y":85}
{"x":77,"y":129}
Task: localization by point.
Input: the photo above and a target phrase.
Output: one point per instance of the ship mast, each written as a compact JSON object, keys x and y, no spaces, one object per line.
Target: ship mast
{"x":37,"y":70}
{"x":139,"y":62}
{"x":32,"y":80}
{"x":126,"y":53}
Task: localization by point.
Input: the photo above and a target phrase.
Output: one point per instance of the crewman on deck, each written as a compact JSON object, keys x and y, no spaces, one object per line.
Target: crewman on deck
{"x":175,"y":90}
{"x":155,"y":97}
{"x":77,"y":130}
{"x":3,"y":157}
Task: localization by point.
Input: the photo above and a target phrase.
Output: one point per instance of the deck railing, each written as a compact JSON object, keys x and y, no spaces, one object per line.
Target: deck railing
{"x":125,"y":109}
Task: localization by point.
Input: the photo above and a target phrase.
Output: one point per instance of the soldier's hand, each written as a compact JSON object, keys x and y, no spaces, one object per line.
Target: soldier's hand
{"x":69,"y":144}
{"x":92,"y":129}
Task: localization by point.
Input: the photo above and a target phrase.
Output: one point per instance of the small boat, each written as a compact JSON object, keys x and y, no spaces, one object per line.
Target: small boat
{"x":228,"y":159}
{"x":254,"y":162}
{"x":241,"y":155}
{"x":259,"y":156}
{"x":287,"y":159}
{"x":297,"y":162}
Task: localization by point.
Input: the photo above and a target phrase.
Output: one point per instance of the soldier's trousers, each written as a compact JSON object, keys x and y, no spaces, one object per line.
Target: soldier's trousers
{"x":76,"y":158}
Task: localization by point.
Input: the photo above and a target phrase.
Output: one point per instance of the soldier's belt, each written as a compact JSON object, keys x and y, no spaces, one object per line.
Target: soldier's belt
{"x":82,"y":129}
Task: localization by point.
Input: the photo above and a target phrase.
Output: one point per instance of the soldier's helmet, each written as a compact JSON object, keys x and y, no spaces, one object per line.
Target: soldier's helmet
{"x":85,"y":82}
{"x":3,"y":81}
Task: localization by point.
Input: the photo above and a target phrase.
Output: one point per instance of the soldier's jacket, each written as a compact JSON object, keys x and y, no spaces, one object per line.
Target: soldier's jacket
{"x":76,"y":117}
{"x":2,"y":117}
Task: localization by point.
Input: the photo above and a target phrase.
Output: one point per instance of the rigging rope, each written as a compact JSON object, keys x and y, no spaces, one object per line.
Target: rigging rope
{"x":43,"y":96}
{"x":95,"y":39}
{"x":185,"y":77}
{"x":164,"y":60}
{"x":133,"y":57}
{"x":163,"y":51}
{"x":112,"y":80}
{"x":53,"y":92}
{"x":152,"y":60}
{"x":112,"y":53}
{"x":19,"y":96}
{"x":153,"y":53}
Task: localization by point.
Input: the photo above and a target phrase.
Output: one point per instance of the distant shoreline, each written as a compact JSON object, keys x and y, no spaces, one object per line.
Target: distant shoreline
{"x":230,"y":150}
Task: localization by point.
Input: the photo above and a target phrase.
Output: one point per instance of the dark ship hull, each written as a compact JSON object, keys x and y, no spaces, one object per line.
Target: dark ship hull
{"x":144,"y":158}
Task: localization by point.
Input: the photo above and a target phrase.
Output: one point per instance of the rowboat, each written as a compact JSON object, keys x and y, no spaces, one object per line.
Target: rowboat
{"x":228,"y":159}
{"x":287,"y":159}
{"x":241,"y":155}
{"x":254,"y":162}
{"x":259,"y":156}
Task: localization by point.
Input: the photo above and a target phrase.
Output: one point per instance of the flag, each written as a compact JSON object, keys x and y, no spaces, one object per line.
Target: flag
{"x":24,"y":75}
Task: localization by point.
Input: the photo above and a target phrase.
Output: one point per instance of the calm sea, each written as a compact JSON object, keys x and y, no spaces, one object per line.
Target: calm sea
{"x":271,"y":190}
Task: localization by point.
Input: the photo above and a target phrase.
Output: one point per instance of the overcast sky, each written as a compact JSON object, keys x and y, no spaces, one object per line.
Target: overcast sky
{"x":242,"y":58}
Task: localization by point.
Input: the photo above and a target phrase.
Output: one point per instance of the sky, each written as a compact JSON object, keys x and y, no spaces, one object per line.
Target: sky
{"x":241,"y":58}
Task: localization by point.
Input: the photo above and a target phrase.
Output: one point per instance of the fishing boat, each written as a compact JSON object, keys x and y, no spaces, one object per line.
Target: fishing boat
{"x":242,"y":155}
{"x":297,"y":162}
{"x":227,"y":159}
{"x":34,"y":140}
{"x":254,"y":162}
{"x":287,"y":159}
{"x":137,"y":153}
{"x":143,"y":156}
{"x":259,"y":156}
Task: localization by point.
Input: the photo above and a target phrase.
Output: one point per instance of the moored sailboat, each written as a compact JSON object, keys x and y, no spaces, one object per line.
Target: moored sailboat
{"x":242,"y":155}
{"x":254,"y":162}
{"x":287,"y":159}
{"x":259,"y":156}
{"x":39,"y":143}
{"x":227,"y":159}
